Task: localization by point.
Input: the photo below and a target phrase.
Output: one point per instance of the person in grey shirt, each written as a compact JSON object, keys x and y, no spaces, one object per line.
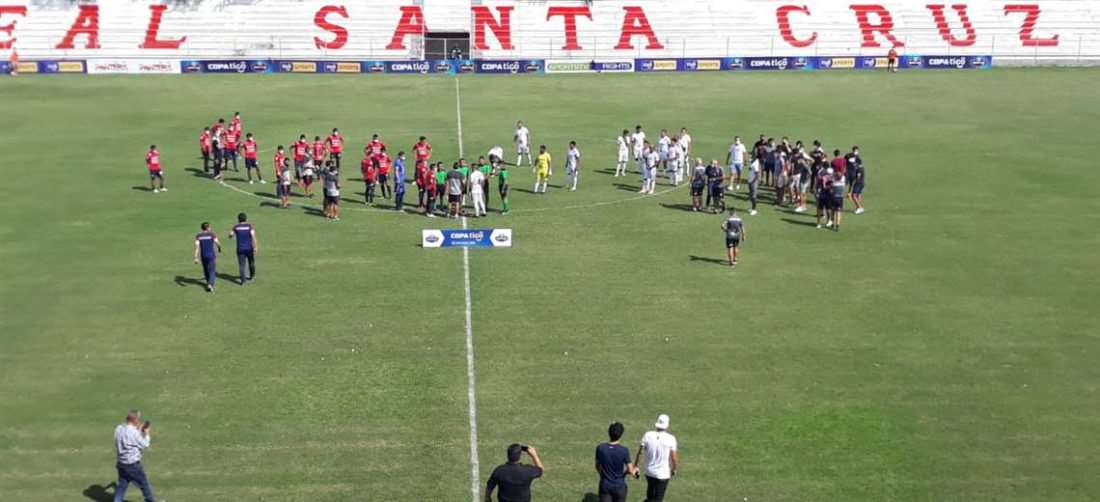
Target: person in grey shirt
{"x":131,"y":440}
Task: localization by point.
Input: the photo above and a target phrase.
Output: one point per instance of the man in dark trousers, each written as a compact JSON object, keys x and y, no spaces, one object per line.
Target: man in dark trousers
{"x":207,"y":246}
{"x":247,"y":246}
{"x":514,"y":479}
{"x":613,"y":465}
{"x":131,"y":440}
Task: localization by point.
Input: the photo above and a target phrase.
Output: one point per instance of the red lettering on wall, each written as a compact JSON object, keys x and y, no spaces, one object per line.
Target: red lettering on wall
{"x":884,"y":26}
{"x":782,"y":15}
{"x":635,"y":23}
{"x":340,"y":33}
{"x":945,"y":29}
{"x":15,"y":10}
{"x":411,"y":23}
{"x":1027,"y":29}
{"x":570,"y":14}
{"x":151,"y":42}
{"x":483,"y":18}
{"x":86,"y":23}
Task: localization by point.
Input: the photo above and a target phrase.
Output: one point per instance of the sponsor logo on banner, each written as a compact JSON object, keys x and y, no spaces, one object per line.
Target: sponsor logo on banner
{"x":508,"y":66}
{"x":443,"y":66}
{"x":908,"y":61}
{"x":767,"y":63}
{"x":349,"y":68}
{"x":225,"y":66}
{"x":978,"y":62}
{"x":191,"y":66}
{"x":800,"y":63}
{"x":408,"y":66}
{"x":303,"y":67}
{"x":708,"y":65}
{"x":865,"y":62}
{"x":27,"y":67}
{"x":143,"y":66}
{"x":840,"y":63}
{"x":613,"y":66}
{"x":374,"y":67}
{"x":5,"y":67}
{"x":467,"y":66}
{"x":646,"y":65}
{"x":733,"y":63}
{"x":568,"y":66}
{"x":474,"y":238}
{"x":957,"y":62}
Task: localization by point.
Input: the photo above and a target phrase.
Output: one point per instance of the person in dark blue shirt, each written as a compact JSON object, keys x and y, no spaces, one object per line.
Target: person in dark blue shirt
{"x":613,"y":465}
{"x":207,"y":246}
{"x":247,"y":246}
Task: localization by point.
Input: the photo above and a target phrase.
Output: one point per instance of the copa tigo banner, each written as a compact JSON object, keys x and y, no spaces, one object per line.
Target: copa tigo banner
{"x":784,"y":63}
{"x":462,"y":238}
{"x":226,"y":66}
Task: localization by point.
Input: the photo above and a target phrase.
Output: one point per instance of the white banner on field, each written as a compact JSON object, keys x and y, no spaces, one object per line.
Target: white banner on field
{"x":568,"y":66}
{"x":133,"y":66}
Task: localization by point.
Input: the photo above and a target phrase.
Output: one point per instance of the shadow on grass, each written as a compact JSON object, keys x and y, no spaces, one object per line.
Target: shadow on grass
{"x":627,"y":188}
{"x":679,"y":207}
{"x":99,"y":493}
{"x":141,"y":189}
{"x":716,"y":261}
{"x":590,"y":497}
{"x":804,"y":223}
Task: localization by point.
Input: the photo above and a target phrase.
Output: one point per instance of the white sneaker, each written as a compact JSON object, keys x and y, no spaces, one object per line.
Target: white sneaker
{"x":263,"y":182}
{"x":818,"y":225}
{"x":156,"y":190}
{"x":752,"y":212}
{"x":164,"y":189}
{"x":829,"y":224}
{"x":738,"y":187}
{"x":859,"y":211}
{"x":250,"y":182}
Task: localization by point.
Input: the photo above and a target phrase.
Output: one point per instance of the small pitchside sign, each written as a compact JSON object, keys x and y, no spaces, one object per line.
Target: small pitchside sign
{"x":472,"y":238}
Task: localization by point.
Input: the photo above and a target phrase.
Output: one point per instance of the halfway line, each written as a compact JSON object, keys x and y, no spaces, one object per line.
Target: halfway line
{"x":471,"y":379}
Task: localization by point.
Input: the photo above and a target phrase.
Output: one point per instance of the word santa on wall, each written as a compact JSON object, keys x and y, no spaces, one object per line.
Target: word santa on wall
{"x":874,"y":23}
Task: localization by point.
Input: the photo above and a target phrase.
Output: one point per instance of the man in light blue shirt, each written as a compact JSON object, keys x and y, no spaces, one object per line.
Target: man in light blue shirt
{"x":131,"y":439}
{"x":399,"y":182}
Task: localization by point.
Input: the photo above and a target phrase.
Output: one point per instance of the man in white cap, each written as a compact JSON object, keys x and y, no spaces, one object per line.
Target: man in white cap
{"x":661,"y":459}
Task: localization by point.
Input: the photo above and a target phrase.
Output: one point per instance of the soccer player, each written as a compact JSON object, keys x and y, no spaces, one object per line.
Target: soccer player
{"x":301,"y":151}
{"x":309,"y":175}
{"x":624,"y":153}
{"x":251,"y":151}
{"x":735,"y":235}
{"x":803,"y":175}
{"x":384,"y":163}
{"x":455,"y":183}
{"x":282,"y":177}
{"x":663,"y":144}
{"x":735,"y":159}
{"x":486,"y":169}
{"x":422,"y":150}
{"x":235,"y":123}
{"x":335,"y":144}
{"x":204,"y":149}
{"x":232,"y":137}
{"x":247,"y":246}
{"x":685,"y":141}
{"x":399,"y":182}
{"x":892,"y":60}
{"x":638,"y":142}
{"x":672,"y":162}
{"x":318,"y":152}
{"x":860,"y":173}
{"x":839,"y":165}
{"x":370,"y":174}
{"x":431,"y":190}
{"x":543,"y":170}
{"x":332,"y":192}
{"x":441,"y":186}
{"x":698,"y":184}
{"x":216,"y":145}
{"x":851,"y":161}
{"x":477,"y":192}
{"x":717,"y":195}
{"x":152,"y":162}
{"x":374,"y":148}
{"x":824,"y":199}
{"x":522,"y":139}
{"x":754,"y":185}
{"x":573,"y":165}
{"x":207,"y":247}
{"x":837,"y":193}
{"x":650,"y":160}
{"x":502,"y":186}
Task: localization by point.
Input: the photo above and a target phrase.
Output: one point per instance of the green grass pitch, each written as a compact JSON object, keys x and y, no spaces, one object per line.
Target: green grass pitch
{"x":943,"y":347}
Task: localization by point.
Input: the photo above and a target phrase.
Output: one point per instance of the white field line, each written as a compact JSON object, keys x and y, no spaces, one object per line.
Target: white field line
{"x":471,"y":377}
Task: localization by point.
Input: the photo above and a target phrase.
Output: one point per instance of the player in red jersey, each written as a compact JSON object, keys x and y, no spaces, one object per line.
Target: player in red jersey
{"x":892,"y":60}
{"x":251,"y":150}
{"x":431,"y":190}
{"x":282,"y":178}
{"x":301,"y":152}
{"x":384,"y":163}
{"x":235,"y":124}
{"x":374,"y":148}
{"x":422,"y":150}
{"x":205,"y":145}
{"x":318,"y":152}
{"x":152,"y":161}
{"x":421,"y":182}
{"x":232,"y":139}
{"x":370,"y":174}
{"x":335,"y":143}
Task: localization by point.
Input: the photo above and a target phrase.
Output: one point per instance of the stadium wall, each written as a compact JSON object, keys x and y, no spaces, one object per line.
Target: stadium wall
{"x":53,"y":36}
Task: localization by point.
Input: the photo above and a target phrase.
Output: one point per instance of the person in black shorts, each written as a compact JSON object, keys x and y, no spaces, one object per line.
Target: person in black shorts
{"x":858,"y":176}
{"x":734,"y":229}
{"x":698,"y":184}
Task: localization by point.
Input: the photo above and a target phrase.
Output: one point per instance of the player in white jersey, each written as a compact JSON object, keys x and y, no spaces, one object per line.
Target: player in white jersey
{"x":685,"y":144}
{"x":573,"y":165}
{"x":673,"y":164}
{"x":522,"y":140}
{"x":638,"y":141}
{"x":496,"y":156}
{"x":624,"y":153}
{"x":650,"y":161}
{"x":662,"y":147}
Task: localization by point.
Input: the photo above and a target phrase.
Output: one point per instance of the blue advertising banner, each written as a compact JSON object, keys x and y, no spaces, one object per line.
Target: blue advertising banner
{"x":443,"y":66}
{"x":955,"y":62}
{"x":226,"y":66}
{"x":768,"y":63}
{"x":622,"y":66}
{"x":648,"y":65}
{"x":509,"y":66}
{"x":474,"y":238}
{"x":5,"y":67}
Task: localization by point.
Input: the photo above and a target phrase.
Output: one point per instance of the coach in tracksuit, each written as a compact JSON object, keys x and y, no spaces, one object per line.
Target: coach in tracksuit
{"x":247,"y":247}
{"x":207,"y":246}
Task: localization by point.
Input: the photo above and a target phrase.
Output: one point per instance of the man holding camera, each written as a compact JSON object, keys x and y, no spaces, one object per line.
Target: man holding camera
{"x":514,"y":479}
{"x":131,"y":439}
